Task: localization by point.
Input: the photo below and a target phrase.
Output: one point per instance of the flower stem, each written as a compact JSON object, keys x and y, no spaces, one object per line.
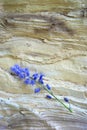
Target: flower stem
{"x":51,"y":93}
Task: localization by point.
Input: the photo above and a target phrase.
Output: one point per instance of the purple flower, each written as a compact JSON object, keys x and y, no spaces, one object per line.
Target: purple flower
{"x":17,"y":72}
{"x":48,"y":87}
{"x":35,"y":76}
{"x":21,"y":76}
{"x":32,"y":82}
{"x":48,"y":96}
{"x":27,"y":81}
{"x":41,"y":79}
{"x":41,"y":82}
{"x":20,"y":69}
{"x":66,"y":99}
{"x":26,"y":71}
{"x":13,"y":69}
{"x":16,"y":66}
{"x":41,"y":76}
{"x":37,"y":90}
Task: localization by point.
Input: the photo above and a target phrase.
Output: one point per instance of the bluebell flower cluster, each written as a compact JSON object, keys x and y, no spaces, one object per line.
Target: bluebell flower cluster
{"x":35,"y":79}
{"x":20,"y":72}
{"x":24,"y":74}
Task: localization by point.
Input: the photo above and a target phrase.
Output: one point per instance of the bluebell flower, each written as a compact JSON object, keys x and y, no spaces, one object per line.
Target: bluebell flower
{"x":20,"y":69}
{"x":16,"y":66}
{"x":32,"y":82}
{"x":22,"y":76}
{"x":27,"y":81}
{"x":66,"y":99}
{"x":41,"y":79}
{"x":48,"y":96}
{"x":48,"y":87}
{"x":41,"y":76}
{"x":13,"y":69}
{"x":17,"y":72}
{"x":26,"y":71}
{"x":35,"y":76}
{"x":37,"y":90}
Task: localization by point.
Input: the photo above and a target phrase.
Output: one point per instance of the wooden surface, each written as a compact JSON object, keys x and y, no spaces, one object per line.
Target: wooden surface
{"x":47,"y":36}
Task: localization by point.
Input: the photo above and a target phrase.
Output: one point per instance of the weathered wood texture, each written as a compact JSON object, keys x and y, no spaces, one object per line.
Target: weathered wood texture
{"x":48,"y":36}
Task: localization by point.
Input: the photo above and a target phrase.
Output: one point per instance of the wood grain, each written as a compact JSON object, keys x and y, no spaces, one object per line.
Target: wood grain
{"x":47,"y":36}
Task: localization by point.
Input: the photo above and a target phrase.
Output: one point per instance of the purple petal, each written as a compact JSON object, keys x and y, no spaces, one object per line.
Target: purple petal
{"x":35,"y":76}
{"x":27,"y":81}
{"x":17,"y":66}
{"x":66,"y":99}
{"x":41,"y":76}
{"x":13,"y":69}
{"x":32,"y":82}
{"x":48,"y":87}
{"x":41,"y":81}
{"x":17,"y":72}
{"x":37,"y":90}
{"x":21,"y":76}
{"x":48,"y":96}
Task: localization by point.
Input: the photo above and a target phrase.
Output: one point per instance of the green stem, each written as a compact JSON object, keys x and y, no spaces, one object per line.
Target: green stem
{"x":57,"y":99}
{"x":51,"y":93}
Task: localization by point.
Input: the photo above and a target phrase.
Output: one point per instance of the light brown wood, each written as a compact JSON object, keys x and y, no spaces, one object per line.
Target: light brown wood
{"x":47,"y":36}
